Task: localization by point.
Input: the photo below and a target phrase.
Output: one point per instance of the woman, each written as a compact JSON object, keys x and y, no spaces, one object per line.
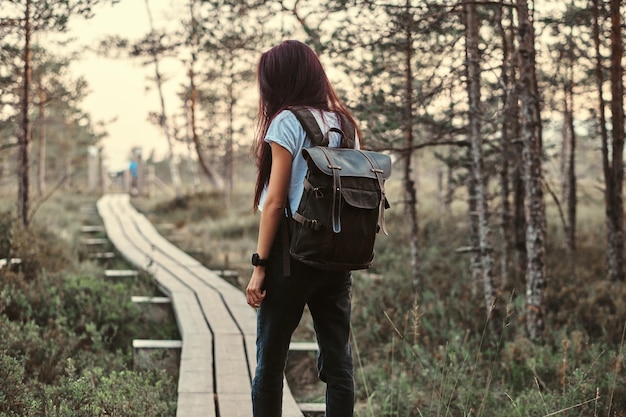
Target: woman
{"x":290,"y":74}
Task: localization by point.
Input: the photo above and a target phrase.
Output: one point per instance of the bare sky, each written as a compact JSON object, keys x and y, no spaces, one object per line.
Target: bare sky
{"x":119,"y":87}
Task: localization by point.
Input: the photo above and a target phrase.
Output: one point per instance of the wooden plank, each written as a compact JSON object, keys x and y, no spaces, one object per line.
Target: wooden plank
{"x":198,"y":346}
{"x":313,"y":407}
{"x":102,"y":255}
{"x":162,"y":244}
{"x":216,"y":313}
{"x":120,"y":273}
{"x":167,"y":281}
{"x":188,"y":314}
{"x":235,"y":299}
{"x":234,"y":405}
{"x":231,"y":366}
{"x":303,"y":346}
{"x":10,"y":261}
{"x":157,"y":344}
{"x":92,"y":229}
{"x":191,"y":404}
{"x":96,"y":241}
{"x":196,"y":365}
{"x":192,"y":380}
{"x":144,"y":299}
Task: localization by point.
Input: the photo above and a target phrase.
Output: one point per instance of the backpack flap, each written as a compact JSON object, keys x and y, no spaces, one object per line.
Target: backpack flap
{"x":351,"y":162}
{"x":345,"y":164}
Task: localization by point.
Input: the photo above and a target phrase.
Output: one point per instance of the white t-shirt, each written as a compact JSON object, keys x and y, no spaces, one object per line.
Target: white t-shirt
{"x":286,"y":131}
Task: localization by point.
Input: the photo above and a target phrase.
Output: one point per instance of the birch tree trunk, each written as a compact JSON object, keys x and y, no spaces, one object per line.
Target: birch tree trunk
{"x":615,"y":222}
{"x":535,"y":205}
{"x":569,"y":174}
{"x":410,"y":194}
{"x":477,"y":171}
{"x":25,"y":127}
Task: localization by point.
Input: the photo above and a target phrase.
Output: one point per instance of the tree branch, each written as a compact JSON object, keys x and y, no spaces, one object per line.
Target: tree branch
{"x":558,"y":206}
{"x":6,"y":146}
{"x":47,"y":196}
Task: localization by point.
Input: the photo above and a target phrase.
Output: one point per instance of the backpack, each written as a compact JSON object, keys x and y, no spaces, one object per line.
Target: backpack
{"x":343,"y":204}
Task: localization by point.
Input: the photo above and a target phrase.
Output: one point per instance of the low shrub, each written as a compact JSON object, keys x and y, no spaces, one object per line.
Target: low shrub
{"x":67,"y":335}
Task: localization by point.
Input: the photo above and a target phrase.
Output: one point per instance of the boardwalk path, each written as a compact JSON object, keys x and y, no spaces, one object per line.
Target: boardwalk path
{"x":217,"y":327}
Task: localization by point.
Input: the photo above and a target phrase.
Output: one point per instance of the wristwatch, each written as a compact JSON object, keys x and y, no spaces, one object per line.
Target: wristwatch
{"x":257,"y":261}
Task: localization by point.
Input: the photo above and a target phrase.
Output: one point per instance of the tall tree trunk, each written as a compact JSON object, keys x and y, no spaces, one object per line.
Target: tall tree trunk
{"x":229,"y":159}
{"x":410,"y":193}
{"x":506,"y":226}
{"x":473,"y":93}
{"x":569,"y":175}
{"x":23,"y":162}
{"x":213,"y":176}
{"x":604,"y":134}
{"x":534,"y":83}
{"x":616,"y":221}
{"x":175,"y":175}
{"x":535,"y":205}
{"x":207,"y":168}
{"x":192,"y":166}
{"x":477,"y":171}
{"x":519,"y":213}
{"x":518,"y":222}
{"x":475,"y":260}
{"x":41,"y":165}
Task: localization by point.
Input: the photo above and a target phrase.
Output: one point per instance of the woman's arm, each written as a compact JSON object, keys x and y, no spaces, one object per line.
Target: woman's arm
{"x":271,"y":216}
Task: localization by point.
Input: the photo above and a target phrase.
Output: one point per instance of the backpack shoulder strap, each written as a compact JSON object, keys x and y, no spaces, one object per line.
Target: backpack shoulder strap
{"x":308,"y":122}
{"x":348,"y":130}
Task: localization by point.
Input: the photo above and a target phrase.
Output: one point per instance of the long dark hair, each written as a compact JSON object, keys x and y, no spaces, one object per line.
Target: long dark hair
{"x":289,"y":74}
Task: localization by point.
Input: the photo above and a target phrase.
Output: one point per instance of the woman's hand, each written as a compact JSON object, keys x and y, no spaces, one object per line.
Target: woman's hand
{"x":254,"y":291}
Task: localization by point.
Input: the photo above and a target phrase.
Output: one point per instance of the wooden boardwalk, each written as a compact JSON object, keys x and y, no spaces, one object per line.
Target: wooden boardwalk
{"x":217,"y":327}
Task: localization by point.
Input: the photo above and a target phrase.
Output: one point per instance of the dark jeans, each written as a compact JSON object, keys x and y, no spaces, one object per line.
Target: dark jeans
{"x":328,"y":296}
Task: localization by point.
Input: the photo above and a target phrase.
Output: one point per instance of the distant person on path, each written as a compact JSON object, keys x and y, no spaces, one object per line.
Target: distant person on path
{"x":290,"y":74}
{"x":134,"y":174}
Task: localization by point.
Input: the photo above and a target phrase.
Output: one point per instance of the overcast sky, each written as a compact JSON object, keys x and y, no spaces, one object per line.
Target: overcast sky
{"x":119,"y":87}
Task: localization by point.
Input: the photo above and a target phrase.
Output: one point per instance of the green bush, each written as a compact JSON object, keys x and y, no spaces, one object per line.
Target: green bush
{"x":92,"y":394}
{"x":118,"y":394}
{"x":16,"y":398}
{"x":61,"y":326}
